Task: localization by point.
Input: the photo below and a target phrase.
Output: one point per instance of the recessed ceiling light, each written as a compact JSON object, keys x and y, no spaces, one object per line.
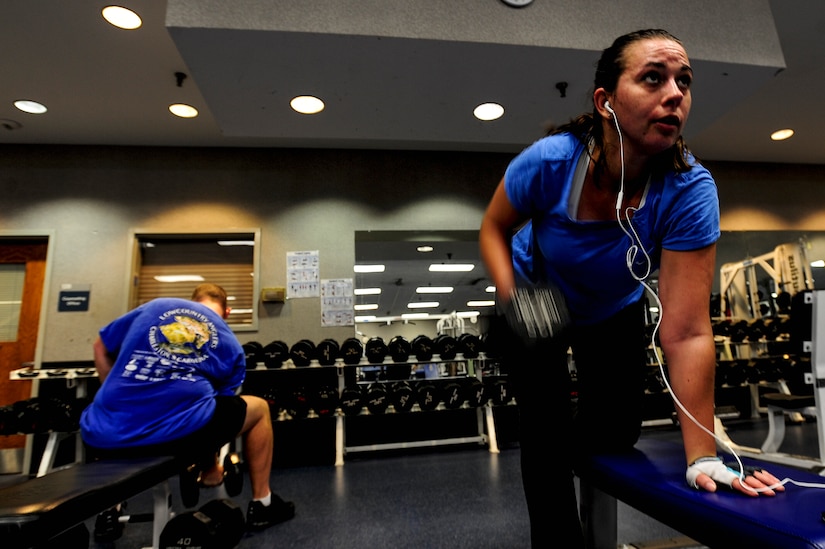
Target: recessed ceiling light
{"x":490,"y":289}
{"x":183,"y":110}
{"x":31,"y":107}
{"x":366,"y":307}
{"x":424,"y":249}
{"x":488,"y":111}
{"x":121,"y":17}
{"x":780,"y":135}
{"x":306,"y":104}
{"x":487,"y":303}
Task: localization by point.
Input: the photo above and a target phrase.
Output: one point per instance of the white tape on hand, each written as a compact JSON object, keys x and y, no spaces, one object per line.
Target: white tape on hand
{"x":713,"y":467}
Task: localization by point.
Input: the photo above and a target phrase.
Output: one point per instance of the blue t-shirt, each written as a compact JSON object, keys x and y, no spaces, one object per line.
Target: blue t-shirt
{"x":587,"y":260}
{"x":173,"y":357}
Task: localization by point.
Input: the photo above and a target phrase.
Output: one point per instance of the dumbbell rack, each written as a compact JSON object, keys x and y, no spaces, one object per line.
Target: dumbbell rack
{"x":76,"y":379}
{"x":484,"y":416}
{"x":769,"y":450}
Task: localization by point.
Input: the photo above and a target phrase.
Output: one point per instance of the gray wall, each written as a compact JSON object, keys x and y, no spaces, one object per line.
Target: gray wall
{"x":90,"y":198}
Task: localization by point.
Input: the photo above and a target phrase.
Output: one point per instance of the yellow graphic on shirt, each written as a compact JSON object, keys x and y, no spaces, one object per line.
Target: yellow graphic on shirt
{"x":185,"y":336}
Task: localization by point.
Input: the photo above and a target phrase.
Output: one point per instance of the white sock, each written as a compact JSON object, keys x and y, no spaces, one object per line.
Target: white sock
{"x":267,"y":500}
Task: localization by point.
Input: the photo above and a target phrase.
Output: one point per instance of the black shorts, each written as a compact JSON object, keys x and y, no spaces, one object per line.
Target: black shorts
{"x":198,"y":447}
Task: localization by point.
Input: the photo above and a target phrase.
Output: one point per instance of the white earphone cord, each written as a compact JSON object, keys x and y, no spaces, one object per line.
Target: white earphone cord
{"x":632,"y":252}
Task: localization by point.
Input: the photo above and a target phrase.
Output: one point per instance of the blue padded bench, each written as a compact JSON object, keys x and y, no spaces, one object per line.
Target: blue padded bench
{"x":651,"y":479}
{"x":34,"y":511}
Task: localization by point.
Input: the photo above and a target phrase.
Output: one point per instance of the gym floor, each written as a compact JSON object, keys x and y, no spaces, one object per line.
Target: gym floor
{"x":440,"y":497}
{"x":456,"y":497}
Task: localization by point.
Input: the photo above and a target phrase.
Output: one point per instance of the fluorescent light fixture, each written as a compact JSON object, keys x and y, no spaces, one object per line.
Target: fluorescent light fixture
{"x":490,"y":289}
{"x":240,"y":311}
{"x":422,"y":305}
{"x":179,"y":278}
{"x":467,"y":314}
{"x":486,"y":303}
{"x":488,"y":111}
{"x":424,"y":249}
{"x":451,"y":267}
{"x":434,"y":290}
{"x":818,"y":264}
{"x":367,"y":291}
{"x":31,"y":107}
{"x":366,"y":318}
{"x":122,"y":18}
{"x":411,"y":316}
{"x":366,"y":307}
{"x":306,"y":104}
{"x":236,"y":242}
{"x":369,"y":268}
{"x":183,"y":111}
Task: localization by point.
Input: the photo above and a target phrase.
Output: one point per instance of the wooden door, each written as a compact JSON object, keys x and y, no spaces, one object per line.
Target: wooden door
{"x":32,"y":254}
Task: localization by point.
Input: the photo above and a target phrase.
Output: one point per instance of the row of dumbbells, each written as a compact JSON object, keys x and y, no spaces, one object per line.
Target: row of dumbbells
{"x":41,"y":415}
{"x":352,"y":351}
{"x":752,"y":330}
{"x":397,"y":396}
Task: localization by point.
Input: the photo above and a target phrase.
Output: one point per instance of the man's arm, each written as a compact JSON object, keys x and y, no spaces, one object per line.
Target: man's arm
{"x":103,"y":359}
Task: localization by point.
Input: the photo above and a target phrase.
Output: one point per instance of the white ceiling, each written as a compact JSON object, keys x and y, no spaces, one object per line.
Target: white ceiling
{"x":397,"y":74}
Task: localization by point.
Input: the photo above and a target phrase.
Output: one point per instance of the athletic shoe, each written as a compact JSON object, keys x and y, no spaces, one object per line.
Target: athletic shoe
{"x":260,"y":516}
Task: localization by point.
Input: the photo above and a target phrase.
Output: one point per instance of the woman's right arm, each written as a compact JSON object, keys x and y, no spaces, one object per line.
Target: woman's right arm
{"x":494,"y":238}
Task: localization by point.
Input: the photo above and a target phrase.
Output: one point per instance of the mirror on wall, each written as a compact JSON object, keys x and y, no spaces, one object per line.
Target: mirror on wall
{"x":758,"y":271}
{"x":408,"y":287}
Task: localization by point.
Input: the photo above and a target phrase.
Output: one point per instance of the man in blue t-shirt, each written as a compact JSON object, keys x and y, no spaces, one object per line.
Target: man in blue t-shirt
{"x":170,"y":373}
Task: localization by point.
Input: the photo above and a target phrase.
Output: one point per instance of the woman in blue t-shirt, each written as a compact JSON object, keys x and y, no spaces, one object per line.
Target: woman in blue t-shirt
{"x":591,"y":211}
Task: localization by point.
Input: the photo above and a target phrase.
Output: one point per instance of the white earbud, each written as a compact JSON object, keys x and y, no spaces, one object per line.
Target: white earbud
{"x":609,"y":108}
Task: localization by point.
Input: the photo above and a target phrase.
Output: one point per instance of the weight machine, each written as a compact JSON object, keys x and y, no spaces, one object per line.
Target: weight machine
{"x":789,"y":272}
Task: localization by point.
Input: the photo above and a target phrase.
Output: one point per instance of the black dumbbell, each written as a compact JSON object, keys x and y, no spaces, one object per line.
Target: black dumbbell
{"x":427,"y":395}
{"x":352,"y":400}
{"x":327,"y":352}
{"x":325,"y":401}
{"x":452,"y":394}
{"x":275,"y":353}
{"x":376,"y":398}
{"x":232,"y":474}
{"x":302,"y":352}
{"x":423,"y":348}
{"x":474,"y":392}
{"x":402,"y":396}
{"x":376,"y":350}
{"x":352,"y":350}
{"x":469,"y":345}
{"x":446,"y":346}
{"x":253,"y":351}
{"x":218,"y":524}
{"x":399,"y":349}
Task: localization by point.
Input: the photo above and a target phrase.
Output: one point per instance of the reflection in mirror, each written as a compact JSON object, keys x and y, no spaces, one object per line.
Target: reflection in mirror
{"x":408,"y":289}
{"x":171,"y":265}
{"x":759,"y":271}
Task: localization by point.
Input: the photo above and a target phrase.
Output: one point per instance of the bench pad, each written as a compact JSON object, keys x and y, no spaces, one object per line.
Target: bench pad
{"x":651,"y":478}
{"x":35,"y":510}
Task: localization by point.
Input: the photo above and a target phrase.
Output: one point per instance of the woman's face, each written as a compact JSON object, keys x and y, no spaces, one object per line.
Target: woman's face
{"x":652,"y":97}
